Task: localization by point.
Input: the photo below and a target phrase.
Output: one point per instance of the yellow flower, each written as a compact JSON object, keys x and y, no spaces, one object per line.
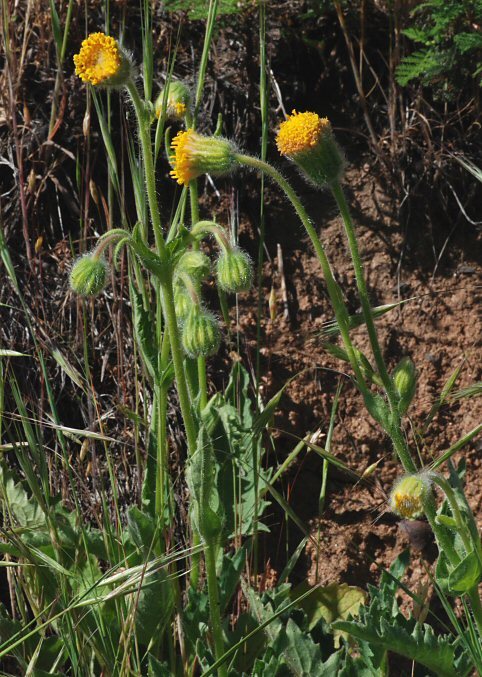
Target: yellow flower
{"x":178,"y":100}
{"x":179,"y":107}
{"x":301,"y":132}
{"x":408,"y":496}
{"x":101,"y":61}
{"x":308,"y":140}
{"x":195,"y":154}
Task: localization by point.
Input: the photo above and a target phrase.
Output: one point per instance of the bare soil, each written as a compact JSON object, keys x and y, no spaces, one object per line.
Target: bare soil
{"x":439,"y":328}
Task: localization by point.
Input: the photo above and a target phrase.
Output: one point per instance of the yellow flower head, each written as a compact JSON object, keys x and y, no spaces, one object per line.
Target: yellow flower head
{"x":301,"y":132}
{"x":308,"y":140}
{"x":195,"y":154}
{"x":408,"y":496}
{"x":101,"y":61}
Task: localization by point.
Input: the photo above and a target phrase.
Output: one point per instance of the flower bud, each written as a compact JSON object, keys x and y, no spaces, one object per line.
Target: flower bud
{"x":405,"y":381}
{"x":195,"y":264}
{"x":178,"y":101}
{"x":88,"y":276}
{"x":194,"y":155}
{"x":234,"y":270}
{"x":308,"y":140}
{"x":409,"y":495}
{"x":102,"y":62}
{"x":200,"y":333}
{"x":182,"y":301}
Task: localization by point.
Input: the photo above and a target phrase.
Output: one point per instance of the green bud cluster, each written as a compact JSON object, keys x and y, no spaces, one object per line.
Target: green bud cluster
{"x":201,"y":335}
{"x":182,"y":301}
{"x":234,"y":270}
{"x":178,"y":100}
{"x":409,"y":495}
{"x":404,"y":378}
{"x":195,"y":264}
{"x":88,"y":276}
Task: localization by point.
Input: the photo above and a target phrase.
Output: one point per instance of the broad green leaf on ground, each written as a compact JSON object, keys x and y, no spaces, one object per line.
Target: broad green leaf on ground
{"x":331,"y":603}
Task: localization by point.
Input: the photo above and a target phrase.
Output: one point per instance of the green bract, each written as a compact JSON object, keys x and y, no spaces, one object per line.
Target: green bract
{"x":200,"y":333}
{"x":182,"y":301}
{"x":195,"y":264}
{"x":178,"y":100}
{"x":234,"y":270}
{"x":405,"y":380}
{"x":88,"y":276}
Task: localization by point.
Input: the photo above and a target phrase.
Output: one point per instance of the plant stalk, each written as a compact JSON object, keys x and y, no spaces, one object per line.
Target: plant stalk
{"x":340,"y":198}
{"x":166,"y":291}
{"x":337,"y":302}
{"x":214,"y":607}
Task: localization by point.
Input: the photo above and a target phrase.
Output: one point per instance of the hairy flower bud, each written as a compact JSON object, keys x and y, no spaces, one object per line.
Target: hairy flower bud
{"x":195,"y":264}
{"x":182,"y":301}
{"x":200,"y":333}
{"x":88,"y":276}
{"x":177,"y":103}
{"x":234,"y":270}
{"x":308,"y":140}
{"x":409,"y":495}
{"x":405,"y":381}
{"x":195,"y":154}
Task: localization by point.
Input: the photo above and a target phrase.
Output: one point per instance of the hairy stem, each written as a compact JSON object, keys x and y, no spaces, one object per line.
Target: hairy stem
{"x":337,"y":302}
{"x":214,"y":607}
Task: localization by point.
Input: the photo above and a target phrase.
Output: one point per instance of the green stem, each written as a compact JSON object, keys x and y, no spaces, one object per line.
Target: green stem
{"x":476,"y":605}
{"x":454,"y":506}
{"x":162,"y":432}
{"x":214,"y":607}
{"x":337,"y":302}
{"x":340,"y":198}
{"x":212,"y":228}
{"x":166,"y":290}
{"x":466,"y":537}
{"x":201,"y":361}
{"x":150,"y":177}
{"x":395,"y":430}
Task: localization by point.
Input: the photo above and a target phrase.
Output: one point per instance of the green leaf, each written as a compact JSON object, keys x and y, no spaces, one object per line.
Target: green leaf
{"x":466,"y":574}
{"x":331,"y":603}
{"x":416,"y":65}
{"x":230,"y":574}
{"x":11,"y":353}
{"x":303,"y":655}
{"x":382,"y":628}
{"x":56,"y":27}
{"x":207,"y":509}
{"x":414,"y":641}
{"x":141,"y":529}
{"x":157,"y":669}
{"x":24,"y":511}
{"x":154,"y":607}
{"x":144,"y":330}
